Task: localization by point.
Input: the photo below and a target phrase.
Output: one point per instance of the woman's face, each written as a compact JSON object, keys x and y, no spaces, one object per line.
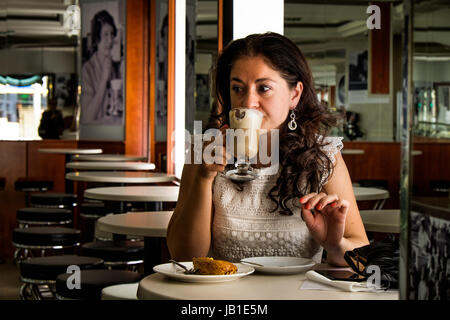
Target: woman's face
{"x":255,"y":85}
{"x":106,"y":39}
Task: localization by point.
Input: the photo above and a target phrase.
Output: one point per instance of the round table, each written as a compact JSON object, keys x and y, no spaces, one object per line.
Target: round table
{"x":387,"y":221}
{"x":69,"y":153}
{"x":256,"y":286}
{"x":150,"y":225}
{"x":134,"y":193}
{"x":104,"y":165}
{"x":152,"y":196}
{"x":120,"y":177}
{"x":365,"y":194}
{"x":109,"y":157}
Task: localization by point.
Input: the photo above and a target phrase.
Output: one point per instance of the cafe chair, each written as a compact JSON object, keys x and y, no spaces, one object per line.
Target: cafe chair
{"x":47,"y":240}
{"x":28,"y":185}
{"x":126,"y":291}
{"x":117,"y":254}
{"x":92,"y":283}
{"x":2,"y":183}
{"x":53,"y":200}
{"x":39,"y":274}
{"x":43,"y":217}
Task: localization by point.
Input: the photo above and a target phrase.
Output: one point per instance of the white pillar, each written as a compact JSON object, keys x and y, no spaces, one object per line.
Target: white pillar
{"x":180,"y":85}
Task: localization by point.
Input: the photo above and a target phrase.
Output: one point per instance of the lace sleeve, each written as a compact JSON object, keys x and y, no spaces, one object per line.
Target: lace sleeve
{"x":332,"y":146}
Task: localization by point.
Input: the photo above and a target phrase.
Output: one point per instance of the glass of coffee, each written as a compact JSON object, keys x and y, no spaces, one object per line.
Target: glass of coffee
{"x":246,"y":124}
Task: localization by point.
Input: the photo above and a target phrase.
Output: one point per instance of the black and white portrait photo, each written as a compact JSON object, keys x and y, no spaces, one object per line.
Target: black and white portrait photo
{"x":103,"y":62}
{"x":429,"y":258}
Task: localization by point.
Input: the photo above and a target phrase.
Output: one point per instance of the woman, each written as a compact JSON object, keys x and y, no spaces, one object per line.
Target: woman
{"x":308,"y":205}
{"x":101,"y":91}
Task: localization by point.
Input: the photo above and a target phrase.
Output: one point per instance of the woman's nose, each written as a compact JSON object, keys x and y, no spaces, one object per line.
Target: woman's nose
{"x":250,"y":100}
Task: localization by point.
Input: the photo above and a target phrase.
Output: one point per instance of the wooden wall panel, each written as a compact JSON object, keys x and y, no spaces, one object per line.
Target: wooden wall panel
{"x":48,"y":166}
{"x":380,"y":161}
{"x":380,"y":40}
{"x":12,"y":166}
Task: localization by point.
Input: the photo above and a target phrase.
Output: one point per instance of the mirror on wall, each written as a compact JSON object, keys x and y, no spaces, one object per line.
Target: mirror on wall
{"x":38,"y":47}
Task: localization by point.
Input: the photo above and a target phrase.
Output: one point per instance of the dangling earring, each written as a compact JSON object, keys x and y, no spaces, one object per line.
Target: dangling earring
{"x":292,"y":125}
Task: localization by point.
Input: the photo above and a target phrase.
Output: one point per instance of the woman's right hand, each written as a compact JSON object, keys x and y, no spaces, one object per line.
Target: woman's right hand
{"x":208,"y":170}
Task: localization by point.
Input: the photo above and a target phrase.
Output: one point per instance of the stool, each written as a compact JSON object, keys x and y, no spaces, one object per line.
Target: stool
{"x":39,"y":274}
{"x":126,"y":291}
{"x":116,"y":254}
{"x":28,"y":185}
{"x":90,"y":212}
{"x":43,"y":216}
{"x":53,"y":200}
{"x":92,"y":282}
{"x":43,"y":238}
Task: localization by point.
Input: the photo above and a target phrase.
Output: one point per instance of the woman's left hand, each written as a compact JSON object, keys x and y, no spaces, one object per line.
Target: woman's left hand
{"x":327,"y":222}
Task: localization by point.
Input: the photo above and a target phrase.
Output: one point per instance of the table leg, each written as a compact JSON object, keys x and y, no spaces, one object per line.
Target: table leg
{"x":153,"y":206}
{"x":68,"y":184}
{"x":152,"y":254}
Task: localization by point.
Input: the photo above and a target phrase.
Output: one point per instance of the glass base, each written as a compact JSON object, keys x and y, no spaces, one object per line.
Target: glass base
{"x":241,"y":173}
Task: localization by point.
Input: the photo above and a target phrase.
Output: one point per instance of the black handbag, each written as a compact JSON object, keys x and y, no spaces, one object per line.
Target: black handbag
{"x":383,"y":254}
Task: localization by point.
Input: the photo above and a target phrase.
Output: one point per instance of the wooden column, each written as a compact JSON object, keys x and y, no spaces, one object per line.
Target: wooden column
{"x":380,"y":47}
{"x":224,"y":23}
{"x":137,"y":78}
{"x":170,"y":87}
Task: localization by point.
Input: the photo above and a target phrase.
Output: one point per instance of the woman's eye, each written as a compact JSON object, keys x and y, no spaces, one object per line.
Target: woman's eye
{"x":263,"y":88}
{"x":236,"y":89}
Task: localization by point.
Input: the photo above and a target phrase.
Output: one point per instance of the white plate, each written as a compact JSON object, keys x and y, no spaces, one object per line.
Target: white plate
{"x":172,"y":271}
{"x":280,"y":265}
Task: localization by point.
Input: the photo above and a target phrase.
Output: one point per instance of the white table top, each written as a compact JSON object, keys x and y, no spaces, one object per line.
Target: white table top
{"x":109,"y":157}
{"x":102,"y":165}
{"x":364,"y":193}
{"x":120,"y":176}
{"x":416,"y":152}
{"x":352,"y":151}
{"x":256,"y":286}
{"x":381,"y":220}
{"x":70,"y":151}
{"x":134,"y":193}
{"x":143,"y":224}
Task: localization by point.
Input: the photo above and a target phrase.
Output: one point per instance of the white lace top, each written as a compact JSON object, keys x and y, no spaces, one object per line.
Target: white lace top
{"x":243,"y":225}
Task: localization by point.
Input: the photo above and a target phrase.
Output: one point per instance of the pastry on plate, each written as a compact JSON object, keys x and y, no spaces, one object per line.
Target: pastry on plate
{"x":209,"y":266}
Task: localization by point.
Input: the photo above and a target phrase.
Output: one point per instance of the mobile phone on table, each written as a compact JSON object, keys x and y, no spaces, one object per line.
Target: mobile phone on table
{"x":341,"y":275}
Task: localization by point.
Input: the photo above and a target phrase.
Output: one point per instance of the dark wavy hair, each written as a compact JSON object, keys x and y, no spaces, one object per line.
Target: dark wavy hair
{"x":98,"y":21}
{"x":303,"y":163}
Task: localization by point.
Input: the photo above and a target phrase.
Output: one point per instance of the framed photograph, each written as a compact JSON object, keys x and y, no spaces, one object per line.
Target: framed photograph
{"x":103,"y":62}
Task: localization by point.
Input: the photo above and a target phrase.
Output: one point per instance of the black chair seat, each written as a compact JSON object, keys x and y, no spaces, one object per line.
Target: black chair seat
{"x":46,"y":236}
{"x":29,"y":185}
{"x":48,"y":268}
{"x":54,"y":199}
{"x":94,"y":209}
{"x":2,"y":183}
{"x":114,"y":251}
{"x":92,"y":283}
{"x":52,"y":215}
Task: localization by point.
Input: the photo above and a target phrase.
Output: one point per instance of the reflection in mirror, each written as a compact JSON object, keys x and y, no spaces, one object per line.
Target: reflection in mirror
{"x":335,"y":38}
{"x":429,"y":221}
{"x":38,"y":49}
